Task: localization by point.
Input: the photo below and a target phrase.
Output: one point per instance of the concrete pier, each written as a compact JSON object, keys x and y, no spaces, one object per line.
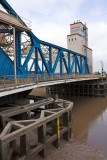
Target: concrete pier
{"x":24,"y":135}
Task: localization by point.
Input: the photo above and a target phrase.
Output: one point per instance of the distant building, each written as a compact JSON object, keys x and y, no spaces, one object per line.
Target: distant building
{"x":78,"y":41}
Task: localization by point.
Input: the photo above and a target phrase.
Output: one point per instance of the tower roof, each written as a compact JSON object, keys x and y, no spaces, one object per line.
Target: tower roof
{"x":78,"y":23}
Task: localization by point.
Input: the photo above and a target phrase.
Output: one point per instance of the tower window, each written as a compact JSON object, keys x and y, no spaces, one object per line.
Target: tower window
{"x":72,"y":39}
{"x":75,"y":39}
{"x":69,"y":40}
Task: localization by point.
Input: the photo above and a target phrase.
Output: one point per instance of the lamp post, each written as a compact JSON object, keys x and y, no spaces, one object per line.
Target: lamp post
{"x":102,"y":67}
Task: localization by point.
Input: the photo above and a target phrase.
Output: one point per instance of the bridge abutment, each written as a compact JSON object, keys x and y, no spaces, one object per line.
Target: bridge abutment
{"x":82,"y":88}
{"x":16,"y":98}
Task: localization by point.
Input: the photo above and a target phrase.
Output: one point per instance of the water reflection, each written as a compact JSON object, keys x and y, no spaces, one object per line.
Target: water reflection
{"x":97,"y":133}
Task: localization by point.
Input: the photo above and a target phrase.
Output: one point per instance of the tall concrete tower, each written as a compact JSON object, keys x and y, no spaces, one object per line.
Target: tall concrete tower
{"x":78,"y":41}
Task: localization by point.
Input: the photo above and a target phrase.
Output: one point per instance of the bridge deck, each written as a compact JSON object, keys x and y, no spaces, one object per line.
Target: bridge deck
{"x":9,"y":19}
{"x":8,"y":87}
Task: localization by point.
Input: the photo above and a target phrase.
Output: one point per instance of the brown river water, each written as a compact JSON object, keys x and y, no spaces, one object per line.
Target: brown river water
{"x":90,"y":121}
{"x":89,"y":130}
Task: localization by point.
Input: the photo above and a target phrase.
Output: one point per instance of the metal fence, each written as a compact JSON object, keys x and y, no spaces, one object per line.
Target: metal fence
{"x":6,"y":81}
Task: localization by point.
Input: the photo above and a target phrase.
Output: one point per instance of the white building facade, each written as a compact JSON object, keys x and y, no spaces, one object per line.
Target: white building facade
{"x":78,"y":41}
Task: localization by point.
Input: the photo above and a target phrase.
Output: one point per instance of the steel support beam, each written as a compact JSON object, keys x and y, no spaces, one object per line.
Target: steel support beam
{"x":44,"y":60}
{"x":61,"y":67}
{"x":65,"y":63}
{"x":6,"y":31}
{"x":18,"y":48}
{"x":81,"y":64}
{"x":50,"y":59}
{"x":56,"y":61}
{"x":36,"y":60}
{"x":15,"y":71}
{"x":69,"y":61}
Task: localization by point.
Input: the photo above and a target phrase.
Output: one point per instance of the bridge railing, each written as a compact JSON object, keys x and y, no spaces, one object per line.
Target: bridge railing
{"x":8,"y":81}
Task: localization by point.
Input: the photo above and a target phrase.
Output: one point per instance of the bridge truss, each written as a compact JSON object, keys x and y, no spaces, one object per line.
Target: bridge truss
{"x":18,"y":41}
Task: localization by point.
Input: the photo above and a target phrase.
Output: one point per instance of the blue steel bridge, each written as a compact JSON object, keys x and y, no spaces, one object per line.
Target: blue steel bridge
{"x":51,"y":56}
{"x":26,"y":60}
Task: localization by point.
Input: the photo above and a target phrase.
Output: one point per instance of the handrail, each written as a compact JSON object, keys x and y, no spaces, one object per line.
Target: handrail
{"x":8,"y":80}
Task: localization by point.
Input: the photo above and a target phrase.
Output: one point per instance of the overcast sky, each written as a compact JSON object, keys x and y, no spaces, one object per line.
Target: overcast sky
{"x":51,"y":20}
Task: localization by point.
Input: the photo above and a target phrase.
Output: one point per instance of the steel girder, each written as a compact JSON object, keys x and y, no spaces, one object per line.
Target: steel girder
{"x":76,"y":65}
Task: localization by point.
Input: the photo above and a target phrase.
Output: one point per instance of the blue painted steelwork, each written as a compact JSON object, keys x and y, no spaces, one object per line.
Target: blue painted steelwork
{"x":43,"y":68}
{"x":50,"y":59}
{"x":78,"y":64}
{"x":18,"y":48}
{"x":7,"y":65}
{"x":6,"y":31}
